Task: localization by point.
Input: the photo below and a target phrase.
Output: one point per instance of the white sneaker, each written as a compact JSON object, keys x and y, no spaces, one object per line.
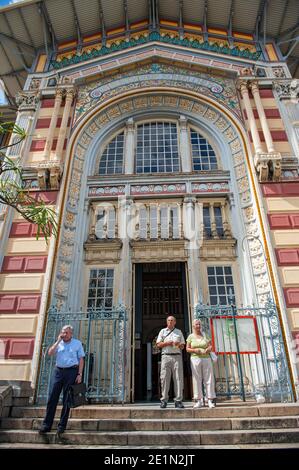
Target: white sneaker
{"x":211,"y":404}
{"x":198,"y":404}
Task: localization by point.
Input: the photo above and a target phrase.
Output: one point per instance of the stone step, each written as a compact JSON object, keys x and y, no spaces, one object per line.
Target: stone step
{"x":177,"y":424}
{"x":157,"y":438}
{"x":152,"y":412}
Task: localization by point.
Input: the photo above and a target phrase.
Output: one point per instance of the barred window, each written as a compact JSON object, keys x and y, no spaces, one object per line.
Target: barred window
{"x":203,"y":156}
{"x":100,"y":291}
{"x":157,"y":148}
{"x":221,"y":286}
{"x":111,"y":161}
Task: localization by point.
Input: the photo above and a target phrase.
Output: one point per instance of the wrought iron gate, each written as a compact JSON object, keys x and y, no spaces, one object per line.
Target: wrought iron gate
{"x":103,"y":335}
{"x":251,"y":355}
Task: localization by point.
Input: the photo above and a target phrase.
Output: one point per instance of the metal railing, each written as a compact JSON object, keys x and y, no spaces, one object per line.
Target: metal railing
{"x":103,"y":335}
{"x":252,"y":360}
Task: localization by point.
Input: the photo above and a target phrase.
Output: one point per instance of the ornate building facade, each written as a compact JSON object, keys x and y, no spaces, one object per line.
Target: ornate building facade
{"x":170,"y":153}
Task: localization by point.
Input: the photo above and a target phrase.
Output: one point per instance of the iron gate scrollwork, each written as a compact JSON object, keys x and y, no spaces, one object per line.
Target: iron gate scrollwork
{"x":263,"y":374}
{"x":103,"y":335}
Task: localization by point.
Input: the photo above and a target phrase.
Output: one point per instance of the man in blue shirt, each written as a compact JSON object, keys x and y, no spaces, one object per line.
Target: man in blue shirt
{"x":69,"y":366}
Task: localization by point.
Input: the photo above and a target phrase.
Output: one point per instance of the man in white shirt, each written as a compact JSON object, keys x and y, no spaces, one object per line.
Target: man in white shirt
{"x":171,"y":341}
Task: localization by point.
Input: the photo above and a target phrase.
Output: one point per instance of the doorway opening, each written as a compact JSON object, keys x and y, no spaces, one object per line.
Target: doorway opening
{"x":160,"y":290}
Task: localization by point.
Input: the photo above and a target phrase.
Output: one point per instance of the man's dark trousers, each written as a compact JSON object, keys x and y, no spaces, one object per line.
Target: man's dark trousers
{"x":61,"y":380}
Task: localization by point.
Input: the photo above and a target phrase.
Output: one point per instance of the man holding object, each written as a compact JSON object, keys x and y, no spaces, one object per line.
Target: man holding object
{"x":68,"y":371}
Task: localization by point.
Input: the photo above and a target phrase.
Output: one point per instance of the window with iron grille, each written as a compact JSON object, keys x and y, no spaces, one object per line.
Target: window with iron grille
{"x":221,"y":285}
{"x":203,"y":156}
{"x":157,"y":148}
{"x":100,"y":291}
{"x":111,"y":161}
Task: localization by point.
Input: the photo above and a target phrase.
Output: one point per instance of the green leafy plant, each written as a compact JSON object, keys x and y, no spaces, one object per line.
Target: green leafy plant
{"x":13,"y":194}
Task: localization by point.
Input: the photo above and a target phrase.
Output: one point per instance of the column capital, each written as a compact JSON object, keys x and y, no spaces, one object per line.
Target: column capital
{"x":183,"y":121}
{"x":242,"y":86}
{"x":190,"y":200}
{"x":70,"y":93}
{"x":59,"y":94}
{"x":27,"y":100}
{"x":253,"y":85}
{"x":130,"y":124}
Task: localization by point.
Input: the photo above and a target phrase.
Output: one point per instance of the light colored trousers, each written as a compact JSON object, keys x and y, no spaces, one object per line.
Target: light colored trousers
{"x":202,"y":371}
{"x":172,"y":365}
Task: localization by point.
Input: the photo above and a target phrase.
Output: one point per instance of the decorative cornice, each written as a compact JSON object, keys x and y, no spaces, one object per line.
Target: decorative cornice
{"x":215,"y":47}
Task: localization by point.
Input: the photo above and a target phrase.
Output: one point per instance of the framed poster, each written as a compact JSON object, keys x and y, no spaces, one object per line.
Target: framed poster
{"x":224,"y":335}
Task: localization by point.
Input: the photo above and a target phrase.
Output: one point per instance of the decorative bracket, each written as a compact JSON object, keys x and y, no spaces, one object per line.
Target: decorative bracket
{"x":268,"y":166}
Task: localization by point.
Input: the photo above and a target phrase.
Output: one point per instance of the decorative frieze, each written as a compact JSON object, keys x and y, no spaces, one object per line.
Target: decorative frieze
{"x":157,"y":189}
{"x":106,"y":191}
{"x":157,"y":251}
{"x":218,"y":249}
{"x":102,"y":251}
{"x":201,"y":188}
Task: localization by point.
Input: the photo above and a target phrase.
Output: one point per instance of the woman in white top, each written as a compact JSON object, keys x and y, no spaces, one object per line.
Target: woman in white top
{"x":200,"y":346}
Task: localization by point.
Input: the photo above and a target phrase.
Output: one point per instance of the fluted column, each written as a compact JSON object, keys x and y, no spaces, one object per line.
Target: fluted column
{"x":185,"y":148}
{"x":124,"y":286}
{"x":191,"y":231}
{"x":65,"y":118}
{"x":49,"y":141}
{"x":262,"y":117}
{"x":251,"y":121}
{"x":129,"y":147}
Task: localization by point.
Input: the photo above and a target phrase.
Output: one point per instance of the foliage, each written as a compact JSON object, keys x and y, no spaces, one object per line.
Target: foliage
{"x":13,"y":194}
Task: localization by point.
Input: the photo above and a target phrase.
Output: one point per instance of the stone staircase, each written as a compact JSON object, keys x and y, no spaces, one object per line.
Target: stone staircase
{"x":146,"y":426}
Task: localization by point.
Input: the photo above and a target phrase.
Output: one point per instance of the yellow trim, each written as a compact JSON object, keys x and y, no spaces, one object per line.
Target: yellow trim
{"x":243,"y":36}
{"x":41,"y":63}
{"x":223,"y":32}
{"x":92,"y":38}
{"x":137,"y":25}
{"x":169,"y":23}
{"x":116,"y":30}
{"x":65,"y":45}
{"x":197,"y":97}
{"x":193,"y":26}
{"x":271,"y":53}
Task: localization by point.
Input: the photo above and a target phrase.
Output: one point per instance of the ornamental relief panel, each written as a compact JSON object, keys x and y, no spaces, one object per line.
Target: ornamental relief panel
{"x":76,"y":189}
{"x":158,"y":75}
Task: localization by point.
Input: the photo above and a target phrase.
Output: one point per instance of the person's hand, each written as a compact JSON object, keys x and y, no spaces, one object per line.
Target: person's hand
{"x":60,"y":337}
{"x":170,"y":343}
{"x":78,"y":379}
{"x":176,"y":344}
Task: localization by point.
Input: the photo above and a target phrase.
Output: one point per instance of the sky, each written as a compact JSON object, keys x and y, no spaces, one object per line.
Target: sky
{"x":6,"y":2}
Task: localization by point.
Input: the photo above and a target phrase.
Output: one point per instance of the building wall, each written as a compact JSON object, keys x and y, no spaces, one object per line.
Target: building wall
{"x":100,"y":107}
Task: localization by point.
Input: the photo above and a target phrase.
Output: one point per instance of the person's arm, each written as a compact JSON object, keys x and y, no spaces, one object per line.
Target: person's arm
{"x":80,"y":371}
{"x":52,"y":349}
{"x":163,"y":344}
{"x":209,"y":347}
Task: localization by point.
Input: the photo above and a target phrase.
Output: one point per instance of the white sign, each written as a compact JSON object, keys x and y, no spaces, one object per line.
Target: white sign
{"x":224,"y":335}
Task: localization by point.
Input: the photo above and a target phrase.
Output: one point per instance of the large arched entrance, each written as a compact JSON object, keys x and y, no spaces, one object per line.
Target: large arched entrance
{"x":86,"y":246}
